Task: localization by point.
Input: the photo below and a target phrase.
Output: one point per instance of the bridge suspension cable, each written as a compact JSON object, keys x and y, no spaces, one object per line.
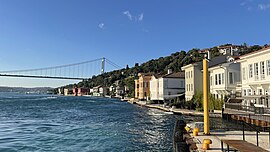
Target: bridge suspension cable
{"x":76,"y":71}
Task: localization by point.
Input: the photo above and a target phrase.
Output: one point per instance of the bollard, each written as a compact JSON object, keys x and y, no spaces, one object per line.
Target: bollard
{"x":195,"y":131}
{"x":187,"y":128}
{"x":206,"y":144}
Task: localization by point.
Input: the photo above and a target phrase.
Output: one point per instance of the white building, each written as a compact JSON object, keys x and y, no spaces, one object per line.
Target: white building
{"x":229,"y":49}
{"x":193,"y":79}
{"x":255,"y":71}
{"x":194,"y":75}
{"x":224,"y":78}
{"x":99,"y":91}
{"x":167,"y":86}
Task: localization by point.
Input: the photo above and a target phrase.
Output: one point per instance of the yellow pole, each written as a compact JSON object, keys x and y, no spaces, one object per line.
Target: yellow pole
{"x":205,"y":97}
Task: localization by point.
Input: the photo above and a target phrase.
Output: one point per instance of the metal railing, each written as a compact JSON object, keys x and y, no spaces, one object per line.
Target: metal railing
{"x":252,"y":109}
{"x":253,"y":129}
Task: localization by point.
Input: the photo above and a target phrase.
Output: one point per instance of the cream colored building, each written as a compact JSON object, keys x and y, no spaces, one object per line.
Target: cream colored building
{"x":168,"y":86}
{"x":193,"y":79}
{"x":142,"y":86}
{"x":255,"y":72}
{"x":224,"y":79}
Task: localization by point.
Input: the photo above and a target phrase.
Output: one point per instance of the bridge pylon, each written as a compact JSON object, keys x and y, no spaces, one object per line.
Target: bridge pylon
{"x":103,"y":65}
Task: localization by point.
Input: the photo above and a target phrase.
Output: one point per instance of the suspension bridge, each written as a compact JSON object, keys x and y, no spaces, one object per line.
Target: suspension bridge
{"x":75,"y":71}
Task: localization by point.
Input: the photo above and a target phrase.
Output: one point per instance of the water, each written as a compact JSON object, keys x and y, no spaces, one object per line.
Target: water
{"x":45,"y":123}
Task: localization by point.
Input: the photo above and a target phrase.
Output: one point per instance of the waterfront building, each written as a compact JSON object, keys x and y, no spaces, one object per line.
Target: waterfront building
{"x":194,"y":75}
{"x":68,"y":92}
{"x":193,"y":79}
{"x":60,"y":91}
{"x":223,"y":78}
{"x":255,"y":72}
{"x":83,"y":91}
{"x":100,"y":91}
{"x":168,"y":86}
{"x":142,"y":86}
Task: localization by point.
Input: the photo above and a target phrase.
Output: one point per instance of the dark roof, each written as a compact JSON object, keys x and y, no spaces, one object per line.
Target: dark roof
{"x":157,"y":76}
{"x":217,"y":60}
{"x":175,"y":75}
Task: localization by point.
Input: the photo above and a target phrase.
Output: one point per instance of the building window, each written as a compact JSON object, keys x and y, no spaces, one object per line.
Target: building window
{"x":191,"y":74}
{"x":218,"y":79}
{"x":262,"y":70}
{"x":250,"y":71}
{"x":256,"y":71}
{"x":260,"y":91}
{"x":244,"y":73}
{"x":145,"y":94}
{"x":249,"y":92}
{"x":211,"y":79}
{"x":182,"y":84}
{"x":268,"y":67}
{"x":187,"y":87}
{"x":230,"y":77}
{"x":245,"y":92}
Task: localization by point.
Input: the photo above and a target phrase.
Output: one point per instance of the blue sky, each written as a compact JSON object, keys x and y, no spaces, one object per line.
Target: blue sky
{"x":44,"y":33}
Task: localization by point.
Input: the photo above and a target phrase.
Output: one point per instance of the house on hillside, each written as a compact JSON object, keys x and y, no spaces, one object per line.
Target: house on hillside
{"x":229,"y":49}
{"x":142,"y":86}
{"x":168,"y":86}
{"x":81,"y":91}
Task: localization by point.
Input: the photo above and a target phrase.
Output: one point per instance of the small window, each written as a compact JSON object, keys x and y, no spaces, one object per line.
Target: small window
{"x":231,"y":78}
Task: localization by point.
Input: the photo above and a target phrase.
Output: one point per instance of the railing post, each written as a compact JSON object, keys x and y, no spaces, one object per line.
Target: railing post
{"x":257,"y":136}
{"x":243,"y":130}
{"x":269,"y":136}
{"x":249,"y":118}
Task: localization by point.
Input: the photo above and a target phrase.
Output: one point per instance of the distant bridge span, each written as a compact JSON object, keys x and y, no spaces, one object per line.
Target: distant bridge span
{"x":76,"y":71}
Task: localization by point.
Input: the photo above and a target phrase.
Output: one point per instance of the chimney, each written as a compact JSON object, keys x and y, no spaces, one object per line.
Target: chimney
{"x":208,"y":55}
{"x":169,"y":71}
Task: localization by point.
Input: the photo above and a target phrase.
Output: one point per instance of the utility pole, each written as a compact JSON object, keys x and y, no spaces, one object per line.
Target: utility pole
{"x":102,"y":65}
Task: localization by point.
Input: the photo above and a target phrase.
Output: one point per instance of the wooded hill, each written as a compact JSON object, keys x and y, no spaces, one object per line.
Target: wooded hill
{"x":175,"y":61}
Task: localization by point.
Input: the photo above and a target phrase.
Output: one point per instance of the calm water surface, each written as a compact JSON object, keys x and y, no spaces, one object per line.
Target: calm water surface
{"x":46,"y":123}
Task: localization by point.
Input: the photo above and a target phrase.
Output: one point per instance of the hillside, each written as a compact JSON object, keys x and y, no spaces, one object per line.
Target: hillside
{"x":175,"y":61}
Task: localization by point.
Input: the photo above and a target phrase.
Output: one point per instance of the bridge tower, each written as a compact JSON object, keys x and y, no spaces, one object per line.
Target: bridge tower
{"x":102,"y":65}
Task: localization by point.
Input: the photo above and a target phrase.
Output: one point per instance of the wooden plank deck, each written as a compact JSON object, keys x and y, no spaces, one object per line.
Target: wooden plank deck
{"x":241,"y":145}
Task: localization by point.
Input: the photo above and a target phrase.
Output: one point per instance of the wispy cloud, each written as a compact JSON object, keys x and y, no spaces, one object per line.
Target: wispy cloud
{"x":101,"y":25}
{"x":136,"y":18}
{"x":128,"y":15}
{"x":140,"y":17}
{"x":252,"y":5}
{"x":264,"y":6}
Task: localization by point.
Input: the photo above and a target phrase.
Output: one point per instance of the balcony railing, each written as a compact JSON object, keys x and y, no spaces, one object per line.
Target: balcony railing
{"x":253,"y":109}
